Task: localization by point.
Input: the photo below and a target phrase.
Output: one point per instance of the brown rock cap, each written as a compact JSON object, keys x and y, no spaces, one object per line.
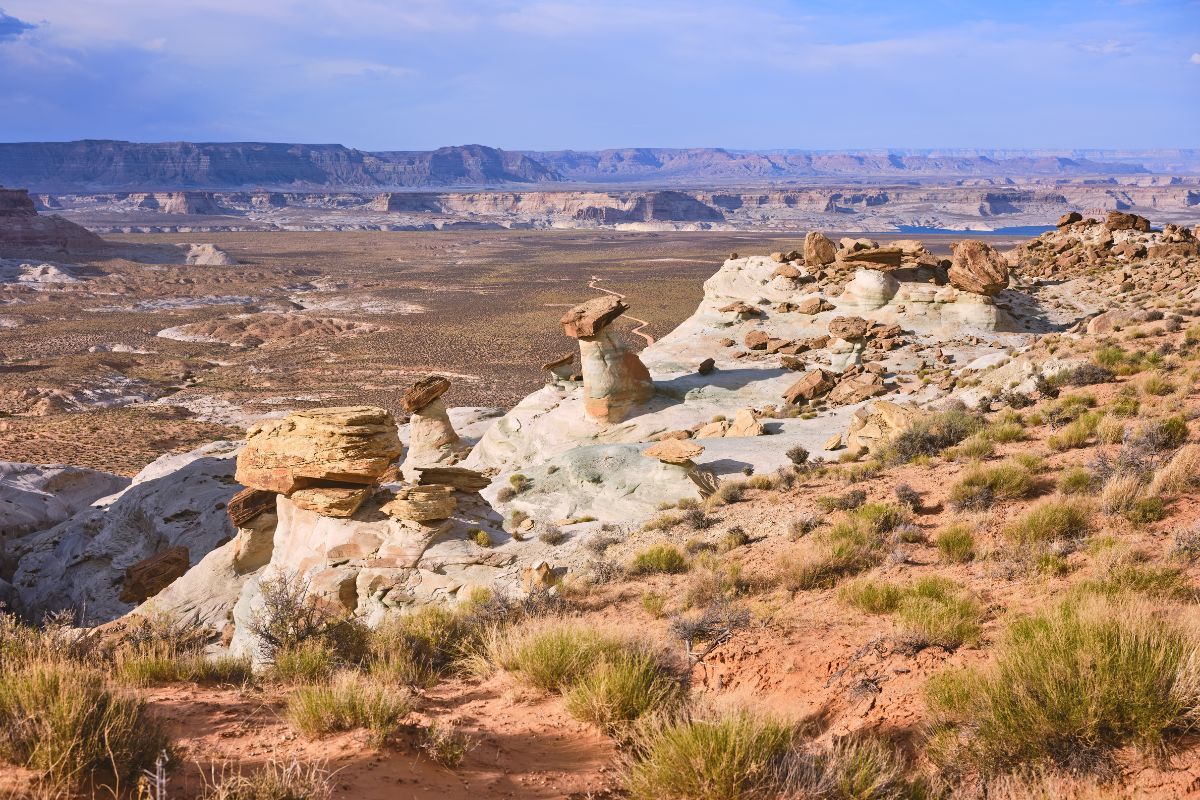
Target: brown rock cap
{"x":1070,"y":218}
{"x":151,"y":575}
{"x":849,"y":328}
{"x":588,"y":319}
{"x":424,"y":392}
{"x":674,"y":451}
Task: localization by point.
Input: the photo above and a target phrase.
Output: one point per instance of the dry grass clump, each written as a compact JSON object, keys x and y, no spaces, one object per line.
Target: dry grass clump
{"x":661,"y":558}
{"x":419,"y":649}
{"x":1076,"y":480}
{"x":1180,"y":474}
{"x":1054,"y":519}
{"x":275,"y":780}
{"x":845,"y":549}
{"x":623,"y":687}
{"x":931,"y":611}
{"x":1076,"y":434}
{"x":1110,"y":431}
{"x":1121,"y":571}
{"x":852,"y":768}
{"x":1072,"y":680}
{"x":955,"y":544}
{"x":346,"y":701}
{"x":1158,"y":385}
{"x":982,"y":486}
{"x":731,"y":757}
{"x":445,"y":745}
{"x":871,"y":595}
{"x":974,"y":448}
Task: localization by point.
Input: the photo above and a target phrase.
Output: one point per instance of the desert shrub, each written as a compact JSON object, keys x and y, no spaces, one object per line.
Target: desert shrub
{"x":797,"y":455}
{"x":555,"y":658}
{"x":148,"y":666}
{"x":518,"y":482}
{"x":445,"y":745}
{"x":654,"y":603}
{"x":734,"y":538}
{"x":662,"y":522}
{"x":1185,"y":546}
{"x":1003,"y":432}
{"x":1158,"y":385}
{"x":802,"y":526}
{"x":1179,"y":474}
{"x":551,"y":535}
{"x":731,"y":757}
{"x":1118,"y":360}
{"x":1070,"y":680}
{"x":1125,"y":573}
{"x":288,"y":617}
{"x":697,"y":520}
{"x":975,"y":447}
{"x":956,"y":544}
{"x":907,"y":496}
{"x":505,"y":494}
{"x":1076,"y":480}
{"x":420,"y":648}
{"x":661,"y":558}
{"x":852,"y":768}
{"x":847,"y":548}
{"x":305,"y":661}
{"x":622,"y":687}
{"x":275,"y":780}
{"x":932,"y":433}
{"x":982,"y":486}
{"x":728,"y":492}
{"x":1124,"y":405}
{"x":480,"y":537}
{"x":937,"y":613}
{"x":1054,"y":519}
{"x":1146,"y":510}
{"x":871,"y":595}
{"x":60,"y":720}
{"x":1030,"y":461}
{"x":882,"y":517}
{"x":1075,"y":434}
{"x":1120,"y":493}
{"x":1088,"y":375}
{"x":1110,"y":431}
{"x":346,"y":701}
{"x":1165,"y":434}
{"x":847,"y":501}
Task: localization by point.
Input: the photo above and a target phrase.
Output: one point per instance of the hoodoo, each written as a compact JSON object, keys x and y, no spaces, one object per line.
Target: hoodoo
{"x":614,"y":378}
{"x":433,"y":439}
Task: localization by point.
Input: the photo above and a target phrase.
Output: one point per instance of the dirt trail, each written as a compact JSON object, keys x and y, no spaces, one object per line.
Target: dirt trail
{"x":641,"y":322}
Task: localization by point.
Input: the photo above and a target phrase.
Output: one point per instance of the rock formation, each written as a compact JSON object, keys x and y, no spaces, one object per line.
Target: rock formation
{"x":207,"y":255}
{"x":819,"y":249}
{"x":432,"y":439}
{"x":876,"y":424}
{"x":614,"y":379}
{"x":976,"y":267}
{"x":23,"y":230}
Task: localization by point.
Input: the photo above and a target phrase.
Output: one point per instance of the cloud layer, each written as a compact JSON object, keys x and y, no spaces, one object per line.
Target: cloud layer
{"x":545,"y":74}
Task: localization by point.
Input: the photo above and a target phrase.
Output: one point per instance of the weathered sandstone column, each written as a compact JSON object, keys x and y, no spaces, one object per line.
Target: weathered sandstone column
{"x":432,"y":439}
{"x":614,"y":378}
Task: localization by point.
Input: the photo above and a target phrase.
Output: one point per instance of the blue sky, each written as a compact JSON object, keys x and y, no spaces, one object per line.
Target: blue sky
{"x":550,"y":74}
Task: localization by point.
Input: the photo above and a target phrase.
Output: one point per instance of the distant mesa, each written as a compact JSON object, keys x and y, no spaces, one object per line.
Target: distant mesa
{"x":23,"y":230}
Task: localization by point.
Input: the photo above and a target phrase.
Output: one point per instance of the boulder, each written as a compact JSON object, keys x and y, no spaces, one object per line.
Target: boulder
{"x":876,"y":424}
{"x":813,"y":305}
{"x":756,"y":340}
{"x":151,"y":575}
{"x":1120,"y":221}
{"x":976,"y":267}
{"x":819,"y":249}
{"x":811,"y":385}
{"x":743,"y":309}
{"x":351,"y":444}
{"x":331,"y":501}
{"x":460,"y":478}
{"x":857,"y":388}
{"x":745,"y":423}
{"x":706,"y":366}
{"x":877,"y":257}
{"x":1070,"y":218}
{"x":248,"y":504}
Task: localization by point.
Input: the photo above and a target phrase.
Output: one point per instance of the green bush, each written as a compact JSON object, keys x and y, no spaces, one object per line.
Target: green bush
{"x":661,"y":558}
{"x":555,"y":659}
{"x":931,"y":434}
{"x":956,"y":544}
{"x":622,"y":687}
{"x":847,"y":548}
{"x":982,"y":486}
{"x":734,"y":757}
{"x":936,"y":613}
{"x":1051,"y":520}
{"x":871,"y":595}
{"x":1076,"y":480}
{"x":1067,"y":682}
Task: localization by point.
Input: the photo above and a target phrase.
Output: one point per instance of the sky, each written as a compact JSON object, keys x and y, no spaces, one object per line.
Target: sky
{"x":561,"y":74}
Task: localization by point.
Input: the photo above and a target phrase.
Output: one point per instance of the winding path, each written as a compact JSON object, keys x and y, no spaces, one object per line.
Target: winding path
{"x":641,"y":322}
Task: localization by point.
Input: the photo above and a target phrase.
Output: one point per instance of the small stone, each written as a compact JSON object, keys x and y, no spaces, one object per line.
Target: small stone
{"x":706,"y":366}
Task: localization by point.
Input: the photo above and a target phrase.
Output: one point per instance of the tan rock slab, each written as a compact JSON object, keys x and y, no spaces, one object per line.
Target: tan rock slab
{"x":460,"y":478}
{"x":424,"y":392}
{"x":421,"y":503}
{"x":248,"y":504}
{"x":588,"y":319}
{"x":976,"y":267}
{"x":674,"y":451}
{"x":811,"y":385}
{"x":339,"y":502}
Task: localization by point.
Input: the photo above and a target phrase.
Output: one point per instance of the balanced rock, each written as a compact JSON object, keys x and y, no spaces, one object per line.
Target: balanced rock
{"x":421,"y":503}
{"x":588,"y":319}
{"x":812,"y":384}
{"x":614,"y":379}
{"x":850,"y":329}
{"x":1070,"y":218}
{"x":460,"y":478}
{"x":876,"y":257}
{"x":431,"y":436}
{"x":350,"y":444}
{"x":674,"y":451}
{"x":976,"y":267}
{"x":819,"y":249}
{"x":151,"y":575}
{"x":424,"y":392}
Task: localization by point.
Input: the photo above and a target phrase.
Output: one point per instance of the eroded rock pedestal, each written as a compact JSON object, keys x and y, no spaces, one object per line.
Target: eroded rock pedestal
{"x":614,"y":379}
{"x":432,"y":438}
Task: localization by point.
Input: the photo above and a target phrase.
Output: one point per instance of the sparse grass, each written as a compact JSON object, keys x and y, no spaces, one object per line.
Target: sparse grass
{"x":62,"y":721}
{"x":882,"y":517}
{"x":1146,"y":510}
{"x":1180,"y":474}
{"x":847,"y":548}
{"x":871,"y":595}
{"x":955,"y":544}
{"x":275,"y":780}
{"x":852,"y":768}
{"x":552,"y":535}
{"x":1158,"y":385}
{"x":146,"y":666}
{"x":305,"y":661}
{"x":977,"y":447}
{"x":655,"y":604}
{"x":480,"y":537}
{"x":1076,"y":480}
{"x":419,"y":649}
{"x":1076,"y":434}
{"x":847,"y":501}
{"x":931,"y":434}
{"x":621,"y":688}
{"x":346,"y":701}
{"x":1121,"y":493}
{"x":982,"y":486}
{"x":1110,"y":431}
{"x":1124,"y":573}
{"x":936,"y":612}
{"x":1053,"y":519}
{"x":732,"y":757}
{"x":661,"y":558}
{"x":555,"y":658}
{"x":1004,"y":432}
{"x":1072,"y":680}
{"x":445,"y":745}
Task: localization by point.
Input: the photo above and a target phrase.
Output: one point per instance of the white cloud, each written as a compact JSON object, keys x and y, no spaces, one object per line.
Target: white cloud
{"x":1110,"y":47}
{"x":353,"y":68}
{"x":1195,"y":59}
